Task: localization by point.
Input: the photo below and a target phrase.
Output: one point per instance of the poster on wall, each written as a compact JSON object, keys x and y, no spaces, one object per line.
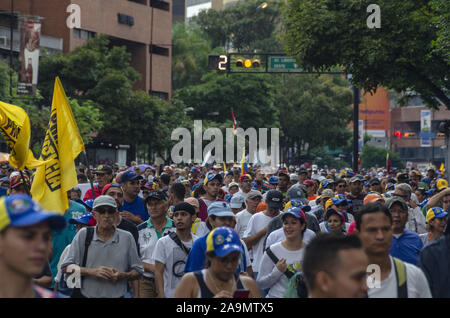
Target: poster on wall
{"x":30,"y":34}
{"x":425,"y":128}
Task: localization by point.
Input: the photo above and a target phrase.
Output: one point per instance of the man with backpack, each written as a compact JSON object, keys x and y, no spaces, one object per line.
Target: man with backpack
{"x":106,"y":256}
{"x":171,"y":251}
{"x":391,"y":277}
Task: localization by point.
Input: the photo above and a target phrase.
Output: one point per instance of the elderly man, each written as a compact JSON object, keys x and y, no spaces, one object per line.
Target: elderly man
{"x":107,"y":257}
{"x":416,"y":219}
{"x":254,"y":197}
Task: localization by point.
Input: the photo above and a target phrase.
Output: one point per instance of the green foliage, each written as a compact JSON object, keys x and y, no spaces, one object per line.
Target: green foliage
{"x":372,"y":156}
{"x":315,"y":110}
{"x":189,"y":55}
{"x":442,"y":23}
{"x":243,"y":25}
{"x":252,"y":98}
{"x":399,"y":55}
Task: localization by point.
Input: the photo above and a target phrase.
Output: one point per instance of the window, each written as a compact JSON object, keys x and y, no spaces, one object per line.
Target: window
{"x":155,"y":49}
{"x":161,"y":95}
{"x":83,"y":34}
{"x":125,"y":19}
{"x":158,"y":4}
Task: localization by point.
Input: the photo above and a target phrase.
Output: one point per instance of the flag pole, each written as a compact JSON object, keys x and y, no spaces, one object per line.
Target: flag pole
{"x":89,"y":174}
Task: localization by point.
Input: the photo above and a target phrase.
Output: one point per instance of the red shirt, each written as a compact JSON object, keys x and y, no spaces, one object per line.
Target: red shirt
{"x":88,"y":194}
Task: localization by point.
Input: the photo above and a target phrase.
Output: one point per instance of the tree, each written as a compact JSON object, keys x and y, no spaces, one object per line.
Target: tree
{"x":189,"y":55}
{"x":104,"y":75}
{"x":372,"y":156}
{"x":442,"y":23}
{"x":399,"y":55}
{"x":252,"y":98}
{"x":314,"y":110}
{"x":243,"y":25}
{"x":86,"y":114}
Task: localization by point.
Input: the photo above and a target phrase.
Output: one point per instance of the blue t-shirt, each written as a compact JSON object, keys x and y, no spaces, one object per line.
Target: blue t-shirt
{"x":196,"y":260}
{"x":137,"y":207}
{"x":64,"y":237}
{"x":3,"y":191}
{"x":407,"y":247}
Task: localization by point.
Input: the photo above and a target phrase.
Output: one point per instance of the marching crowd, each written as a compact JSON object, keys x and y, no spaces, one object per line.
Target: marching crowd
{"x":229,"y":232}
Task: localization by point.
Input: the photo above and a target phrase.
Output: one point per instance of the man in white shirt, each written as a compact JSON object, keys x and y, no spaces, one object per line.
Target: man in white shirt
{"x":374,"y":228}
{"x":257,"y":227}
{"x":242,"y":218}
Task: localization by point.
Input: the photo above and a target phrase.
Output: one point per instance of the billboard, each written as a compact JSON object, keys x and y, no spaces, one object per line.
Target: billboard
{"x":30,"y":35}
{"x":425,"y":127}
{"x":374,"y":111}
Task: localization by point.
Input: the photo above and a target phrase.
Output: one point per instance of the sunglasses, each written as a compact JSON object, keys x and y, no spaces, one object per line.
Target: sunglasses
{"x":106,"y":210}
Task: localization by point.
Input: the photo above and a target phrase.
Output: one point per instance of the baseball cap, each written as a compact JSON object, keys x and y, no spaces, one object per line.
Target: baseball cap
{"x":211,"y":176}
{"x":104,"y":200}
{"x":86,"y":219}
{"x":372,"y":197}
{"x":435,"y":212}
{"x":274,"y":199}
{"x":296,"y":193}
{"x":192,"y":201}
{"x":220,"y":209}
{"x":375,"y":181}
{"x":246,"y":177}
{"x":229,"y":173}
{"x":355,"y":179}
{"x":297,"y":204}
{"x":340,"y":198}
{"x":403,"y":177}
{"x":223,"y":241}
{"x":21,"y":210}
{"x":389,"y":186}
{"x":130,"y":176}
{"x":301,"y":171}
{"x":293,"y":177}
{"x":184,"y":206}
{"x":391,"y":201}
{"x":308,"y":182}
{"x":237,"y":200}
{"x":253,"y":194}
{"x":233,"y":184}
{"x":159,"y":195}
{"x":441,"y":184}
{"x":273,"y":180}
{"x":333,"y":211}
{"x":110,"y":185}
{"x":325,"y":183}
{"x":103,"y":169}
{"x":16,"y":181}
{"x":296,"y":212}
{"x":194,"y":169}
{"x":327,"y":193}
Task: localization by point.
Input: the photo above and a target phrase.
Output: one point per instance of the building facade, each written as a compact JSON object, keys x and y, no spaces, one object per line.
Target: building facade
{"x":144,"y":27}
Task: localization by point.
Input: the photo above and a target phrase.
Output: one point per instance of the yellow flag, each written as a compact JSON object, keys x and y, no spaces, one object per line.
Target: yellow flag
{"x":62,"y":144}
{"x":224,"y":167}
{"x":442,"y":167}
{"x":15,"y":126}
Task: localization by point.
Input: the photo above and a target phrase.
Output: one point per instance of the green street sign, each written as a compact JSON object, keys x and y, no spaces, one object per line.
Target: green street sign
{"x":283,"y":63}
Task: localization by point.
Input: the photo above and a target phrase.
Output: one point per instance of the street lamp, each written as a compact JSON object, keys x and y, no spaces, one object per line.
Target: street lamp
{"x":262,"y":6}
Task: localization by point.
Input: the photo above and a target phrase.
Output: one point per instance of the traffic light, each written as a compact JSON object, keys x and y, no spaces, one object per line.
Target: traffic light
{"x":409,"y":134}
{"x":248,"y":63}
{"x":397,"y":133}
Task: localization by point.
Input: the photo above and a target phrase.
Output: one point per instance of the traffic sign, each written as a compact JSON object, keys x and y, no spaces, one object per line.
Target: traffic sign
{"x":427,"y":134}
{"x":283,"y":63}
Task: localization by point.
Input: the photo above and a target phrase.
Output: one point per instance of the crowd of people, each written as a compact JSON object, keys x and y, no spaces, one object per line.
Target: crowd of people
{"x":227,"y":232}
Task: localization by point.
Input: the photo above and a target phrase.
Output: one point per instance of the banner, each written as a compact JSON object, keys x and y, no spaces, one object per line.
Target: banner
{"x":15,"y":127}
{"x":360,"y":135}
{"x":30,"y":34}
{"x":425,"y":127}
{"x":62,"y":144}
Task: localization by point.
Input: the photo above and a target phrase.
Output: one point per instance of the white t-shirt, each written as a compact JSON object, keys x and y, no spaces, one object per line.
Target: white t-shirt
{"x":257,"y":222}
{"x":59,"y":275}
{"x":174,"y":258}
{"x":278,"y":236}
{"x":242,"y":219}
{"x":269,"y":277}
{"x":417,"y":284}
{"x":201,"y":228}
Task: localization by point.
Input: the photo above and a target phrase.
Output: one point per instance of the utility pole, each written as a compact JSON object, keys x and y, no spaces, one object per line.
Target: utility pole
{"x":355,"y":127}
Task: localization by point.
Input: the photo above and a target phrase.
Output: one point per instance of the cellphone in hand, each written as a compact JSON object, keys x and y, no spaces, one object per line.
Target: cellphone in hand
{"x":241,"y":293}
